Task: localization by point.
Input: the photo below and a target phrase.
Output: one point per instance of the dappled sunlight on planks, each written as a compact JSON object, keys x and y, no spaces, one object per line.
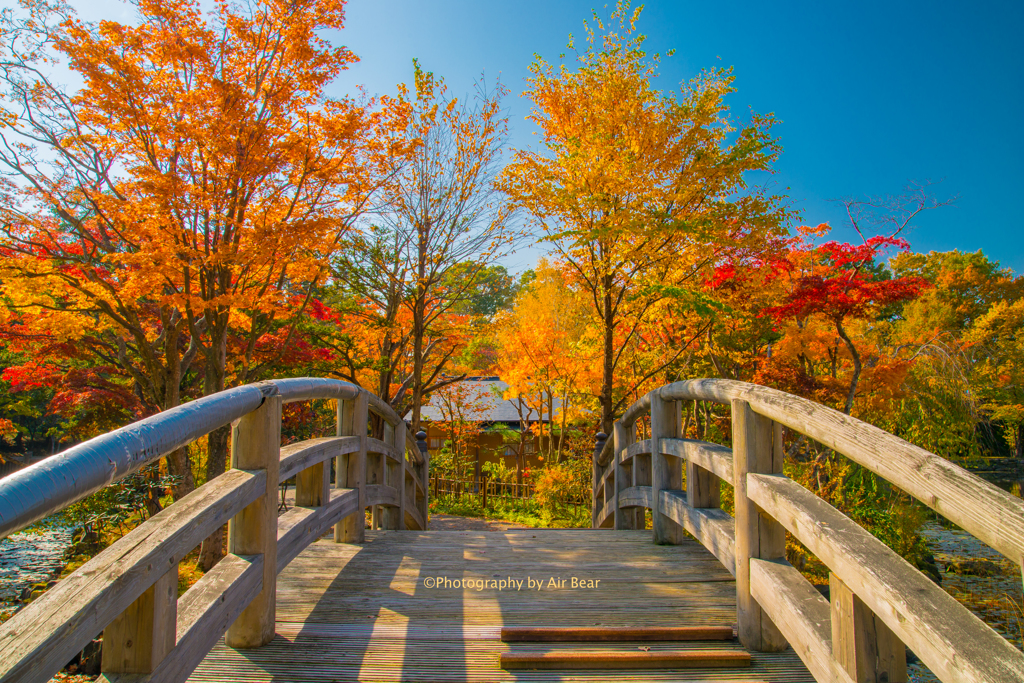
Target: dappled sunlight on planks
{"x":362,"y":612}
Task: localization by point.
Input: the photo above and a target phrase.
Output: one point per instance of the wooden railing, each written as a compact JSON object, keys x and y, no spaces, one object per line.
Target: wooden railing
{"x":878,"y":601}
{"x":130,"y":590}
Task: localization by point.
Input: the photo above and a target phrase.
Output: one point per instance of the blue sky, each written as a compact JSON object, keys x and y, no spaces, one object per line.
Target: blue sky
{"x":870,"y":95}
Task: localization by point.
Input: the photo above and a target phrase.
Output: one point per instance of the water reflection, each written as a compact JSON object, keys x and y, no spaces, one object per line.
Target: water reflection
{"x":27,"y":558}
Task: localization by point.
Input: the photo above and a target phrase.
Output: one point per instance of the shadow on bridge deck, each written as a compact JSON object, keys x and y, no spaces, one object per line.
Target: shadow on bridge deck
{"x":362,"y":612}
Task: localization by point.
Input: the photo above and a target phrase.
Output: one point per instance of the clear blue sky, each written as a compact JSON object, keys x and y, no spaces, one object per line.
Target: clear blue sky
{"x":870,"y":95}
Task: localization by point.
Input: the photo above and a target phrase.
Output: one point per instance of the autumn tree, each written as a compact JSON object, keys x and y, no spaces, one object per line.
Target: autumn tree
{"x":839,"y":283}
{"x":967,"y":372}
{"x":192,"y":188}
{"x":640,"y":193}
{"x":459,"y":404}
{"x":543,"y":353}
{"x":442,"y":223}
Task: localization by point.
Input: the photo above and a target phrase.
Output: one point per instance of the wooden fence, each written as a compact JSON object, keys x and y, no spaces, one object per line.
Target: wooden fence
{"x":485,"y":489}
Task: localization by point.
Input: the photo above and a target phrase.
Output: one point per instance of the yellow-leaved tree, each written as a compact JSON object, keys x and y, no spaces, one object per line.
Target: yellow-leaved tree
{"x":640,"y":192}
{"x":543,"y":351}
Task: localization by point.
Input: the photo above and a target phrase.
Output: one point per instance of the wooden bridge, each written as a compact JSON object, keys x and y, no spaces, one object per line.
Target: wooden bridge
{"x":403,"y":603}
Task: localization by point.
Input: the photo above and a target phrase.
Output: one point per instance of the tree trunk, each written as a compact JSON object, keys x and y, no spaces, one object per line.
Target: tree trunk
{"x":178,"y":465}
{"x":856,"y":366}
{"x":608,"y":375}
{"x":561,"y":435}
{"x":551,"y":425}
{"x":213,"y":548}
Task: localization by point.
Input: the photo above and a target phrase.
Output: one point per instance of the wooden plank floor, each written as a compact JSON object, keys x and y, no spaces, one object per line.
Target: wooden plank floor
{"x":363,"y":612}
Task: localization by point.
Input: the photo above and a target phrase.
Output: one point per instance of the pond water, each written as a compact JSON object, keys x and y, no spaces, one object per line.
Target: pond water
{"x":997,"y":599}
{"x":27,"y":558}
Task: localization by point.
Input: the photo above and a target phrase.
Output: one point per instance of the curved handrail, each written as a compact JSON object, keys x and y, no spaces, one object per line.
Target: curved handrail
{"x":37,"y":491}
{"x":950,"y":490}
{"x":901,"y":604}
{"x":134,"y":581}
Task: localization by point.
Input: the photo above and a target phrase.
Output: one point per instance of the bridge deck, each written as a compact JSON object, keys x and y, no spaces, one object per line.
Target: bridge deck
{"x":351,"y":612}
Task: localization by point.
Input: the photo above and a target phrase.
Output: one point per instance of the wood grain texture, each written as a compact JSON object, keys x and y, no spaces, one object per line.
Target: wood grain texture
{"x":757,"y":536}
{"x":623,"y":436}
{"x":636,"y":497}
{"x":861,"y":643}
{"x":381,"y":494}
{"x":401,"y":483}
{"x":299,"y":527}
{"x":714,"y":528}
{"x":298,"y":456}
{"x":382,"y":447}
{"x":636,"y":448}
{"x":353,"y":418}
{"x":256,"y":444}
{"x":350,"y":612}
{"x":612,"y":634}
{"x":985,"y":511}
{"x":955,"y":644}
{"x":141,"y":636}
{"x":802,"y":614}
{"x":613,"y":659}
{"x":417,"y":519}
{"x":206,"y":611}
{"x":666,"y":470}
{"x":709,"y":456}
{"x":44,"y":636}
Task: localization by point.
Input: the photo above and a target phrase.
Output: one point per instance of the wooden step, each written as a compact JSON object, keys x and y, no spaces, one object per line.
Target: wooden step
{"x":612,"y":634}
{"x":664,"y":659}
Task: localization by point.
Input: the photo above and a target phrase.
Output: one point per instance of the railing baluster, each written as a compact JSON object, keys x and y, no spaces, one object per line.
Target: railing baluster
{"x":351,"y":468}
{"x":598,"y":473}
{"x":861,"y":642}
{"x":313,"y":485}
{"x":667,"y":469}
{"x":256,"y":445}
{"x":399,"y":512}
{"x":757,"y":535}
{"x":421,"y":444}
{"x":138,"y":640}
{"x":624,"y":436}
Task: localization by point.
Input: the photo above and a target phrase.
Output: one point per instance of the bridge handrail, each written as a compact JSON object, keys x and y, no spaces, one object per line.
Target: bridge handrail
{"x":129,"y":590}
{"x":984,"y":510}
{"x":878,"y":601}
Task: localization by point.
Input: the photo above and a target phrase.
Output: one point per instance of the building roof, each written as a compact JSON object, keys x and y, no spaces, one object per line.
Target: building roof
{"x":484,"y":394}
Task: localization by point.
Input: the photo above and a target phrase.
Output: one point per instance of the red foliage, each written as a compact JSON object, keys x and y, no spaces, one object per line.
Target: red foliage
{"x":90,"y":391}
{"x":842,"y":288}
{"x":32,"y":375}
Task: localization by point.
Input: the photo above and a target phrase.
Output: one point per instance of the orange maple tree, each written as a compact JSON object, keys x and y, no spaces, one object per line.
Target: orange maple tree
{"x":192,"y":189}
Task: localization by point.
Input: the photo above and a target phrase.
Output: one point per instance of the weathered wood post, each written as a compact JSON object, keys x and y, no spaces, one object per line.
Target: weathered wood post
{"x":138,"y":640}
{"x":313,"y":485}
{"x":642,"y":477}
{"x":623,"y":437}
{"x":351,"y":468}
{"x":597,"y":474}
{"x":667,"y":470}
{"x":399,"y":512}
{"x":256,"y":445}
{"x":421,"y":443}
{"x":861,"y":642}
{"x":703,"y":488}
{"x":757,"y":535}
